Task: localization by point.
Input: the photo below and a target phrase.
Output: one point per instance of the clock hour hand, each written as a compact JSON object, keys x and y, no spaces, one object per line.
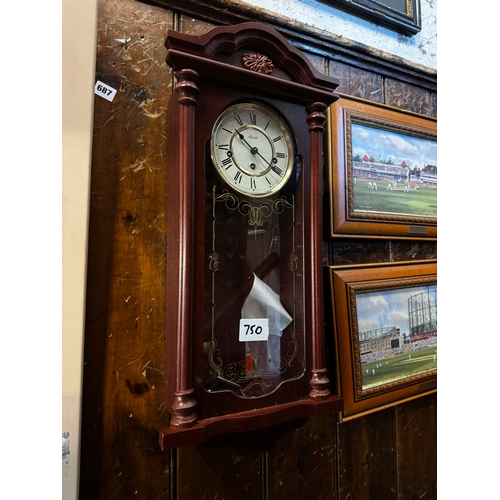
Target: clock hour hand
{"x":253,"y":149}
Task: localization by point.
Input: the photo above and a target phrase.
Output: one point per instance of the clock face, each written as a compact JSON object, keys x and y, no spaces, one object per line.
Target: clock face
{"x":252,"y":149}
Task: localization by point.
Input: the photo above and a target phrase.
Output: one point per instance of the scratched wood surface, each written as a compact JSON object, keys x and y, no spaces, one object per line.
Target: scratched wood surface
{"x":301,"y":464}
{"x":389,"y":454}
{"x":218,"y":473}
{"x":366,"y":450}
{"x":125,"y":322}
{"x":416,"y":448}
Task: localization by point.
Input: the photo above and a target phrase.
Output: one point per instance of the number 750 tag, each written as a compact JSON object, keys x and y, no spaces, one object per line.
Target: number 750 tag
{"x":254,"y":329}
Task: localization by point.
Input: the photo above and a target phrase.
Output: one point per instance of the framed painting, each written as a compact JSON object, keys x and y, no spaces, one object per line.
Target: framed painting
{"x":382,"y":171}
{"x":385,"y":330}
{"x":402,"y":16}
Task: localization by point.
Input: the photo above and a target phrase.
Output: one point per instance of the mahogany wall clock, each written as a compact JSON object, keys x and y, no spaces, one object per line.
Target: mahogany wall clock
{"x":244,"y":334}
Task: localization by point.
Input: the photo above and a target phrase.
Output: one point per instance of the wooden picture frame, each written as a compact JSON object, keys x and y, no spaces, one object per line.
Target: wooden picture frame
{"x":385,"y":331}
{"x":396,"y":151}
{"x":402,"y":16}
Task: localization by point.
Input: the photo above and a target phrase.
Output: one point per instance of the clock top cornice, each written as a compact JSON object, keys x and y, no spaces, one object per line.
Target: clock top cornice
{"x":217,"y":55}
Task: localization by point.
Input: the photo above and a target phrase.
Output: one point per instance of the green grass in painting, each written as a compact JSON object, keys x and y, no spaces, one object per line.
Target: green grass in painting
{"x":398,"y":367}
{"x":421,"y":203}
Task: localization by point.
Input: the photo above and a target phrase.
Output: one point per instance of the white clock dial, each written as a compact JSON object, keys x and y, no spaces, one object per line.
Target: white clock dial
{"x":252,"y":149}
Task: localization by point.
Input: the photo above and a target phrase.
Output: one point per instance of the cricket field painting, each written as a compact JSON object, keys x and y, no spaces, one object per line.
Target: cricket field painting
{"x":382,"y":174}
{"x":393,"y":172}
{"x":385,"y":327}
{"x":397,"y":334}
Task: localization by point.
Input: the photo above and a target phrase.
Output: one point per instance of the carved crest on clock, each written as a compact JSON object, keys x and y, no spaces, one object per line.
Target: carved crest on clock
{"x":257,"y":62}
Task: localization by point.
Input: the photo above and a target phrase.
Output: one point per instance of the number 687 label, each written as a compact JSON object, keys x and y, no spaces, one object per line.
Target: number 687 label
{"x":254,"y":329}
{"x":104,"y":90}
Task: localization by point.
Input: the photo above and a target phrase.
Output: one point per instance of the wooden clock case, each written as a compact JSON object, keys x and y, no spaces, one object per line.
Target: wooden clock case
{"x":209,"y":75}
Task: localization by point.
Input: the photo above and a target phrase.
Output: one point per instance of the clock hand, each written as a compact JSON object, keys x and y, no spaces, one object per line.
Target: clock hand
{"x":253,"y":149}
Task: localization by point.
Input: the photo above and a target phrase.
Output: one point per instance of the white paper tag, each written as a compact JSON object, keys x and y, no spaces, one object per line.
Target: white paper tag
{"x":104,"y":91}
{"x":254,"y":329}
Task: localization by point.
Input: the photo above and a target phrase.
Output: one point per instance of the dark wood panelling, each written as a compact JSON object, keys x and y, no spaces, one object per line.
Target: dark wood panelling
{"x":207,"y":473}
{"x":400,"y":251}
{"x":404,"y":96}
{"x":354,"y":251}
{"x":124,"y":339}
{"x":358,"y":82}
{"x":192,"y":26}
{"x":385,"y":455}
{"x":301,"y":465}
{"x":366,"y":457}
{"x":416,"y":438}
{"x":319,"y":62}
{"x":358,"y":251}
{"x":433,"y":107}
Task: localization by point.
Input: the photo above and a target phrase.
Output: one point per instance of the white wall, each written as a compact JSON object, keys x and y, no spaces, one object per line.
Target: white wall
{"x":420,"y":49}
{"x":79,"y":46}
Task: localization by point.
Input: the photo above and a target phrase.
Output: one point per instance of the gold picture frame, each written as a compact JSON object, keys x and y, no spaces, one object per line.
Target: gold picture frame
{"x":385,"y":331}
{"x":382,"y":171}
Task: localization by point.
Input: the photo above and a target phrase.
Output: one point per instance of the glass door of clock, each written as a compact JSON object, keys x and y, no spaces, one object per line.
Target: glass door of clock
{"x":254,"y":333}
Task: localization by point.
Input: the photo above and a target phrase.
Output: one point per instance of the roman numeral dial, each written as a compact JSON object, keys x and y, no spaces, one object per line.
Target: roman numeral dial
{"x":252,"y":149}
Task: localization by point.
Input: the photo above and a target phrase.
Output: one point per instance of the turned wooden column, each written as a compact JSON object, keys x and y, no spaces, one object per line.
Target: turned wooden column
{"x":319,"y":381}
{"x":183,"y":407}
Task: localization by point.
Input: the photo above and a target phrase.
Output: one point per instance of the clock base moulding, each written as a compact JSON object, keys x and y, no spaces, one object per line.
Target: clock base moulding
{"x":203,"y":430}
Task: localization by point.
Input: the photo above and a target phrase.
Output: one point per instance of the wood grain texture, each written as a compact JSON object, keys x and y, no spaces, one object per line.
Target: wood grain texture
{"x":214,"y":473}
{"x":301,"y":465}
{"x":408,"y":97}
{"x":357,"y":82}
{"x":416,"y":445}
{"x":193,"y":26}
{"x":366,"y":457}
{"x":358,"y":251}
{"x":319,"y":62}
{"x":124,"y":346}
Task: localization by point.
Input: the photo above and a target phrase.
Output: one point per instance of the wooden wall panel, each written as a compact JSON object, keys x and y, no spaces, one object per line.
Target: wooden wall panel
{"x":405,"y":96}
{"x":366,"y":457}
{"x":218,"y":473}
{"x":194,"y":27}
{"x":301,"y":465}
{"x":357,"y":82}
{"x":319,"y":62}
{"x":416,"y":445}
{"x":357,"y":251}
{"x":125,"y":324}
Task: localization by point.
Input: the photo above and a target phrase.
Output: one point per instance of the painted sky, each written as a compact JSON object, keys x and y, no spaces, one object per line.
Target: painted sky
{"x":383,"y":144}
{"x":386,"y":308}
